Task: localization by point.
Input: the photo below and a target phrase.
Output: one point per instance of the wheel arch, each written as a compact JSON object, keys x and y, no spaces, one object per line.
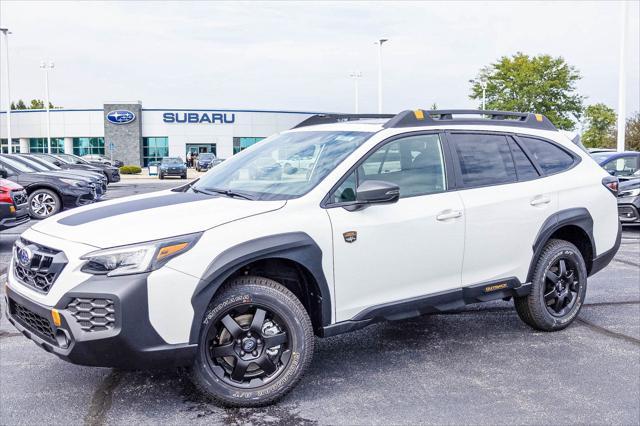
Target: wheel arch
{"x":574,"y":225}
{"x":292,"y":259}
{"x":36,"y":186}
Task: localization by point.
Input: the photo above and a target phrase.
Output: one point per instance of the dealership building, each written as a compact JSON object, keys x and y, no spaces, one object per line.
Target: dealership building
{"x":136,"y":135}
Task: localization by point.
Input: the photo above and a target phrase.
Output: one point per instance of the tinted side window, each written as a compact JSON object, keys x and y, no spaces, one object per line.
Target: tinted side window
{"x":484,"y":159}
{"x":549,"y":157}
{"x":524,"y":167}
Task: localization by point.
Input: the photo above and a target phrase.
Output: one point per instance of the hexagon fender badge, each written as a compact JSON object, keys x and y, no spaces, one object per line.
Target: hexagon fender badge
{"x":350,"y":236}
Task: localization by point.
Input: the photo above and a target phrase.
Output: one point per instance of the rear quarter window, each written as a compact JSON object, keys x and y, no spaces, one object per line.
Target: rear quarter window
{"x":549,"y":157}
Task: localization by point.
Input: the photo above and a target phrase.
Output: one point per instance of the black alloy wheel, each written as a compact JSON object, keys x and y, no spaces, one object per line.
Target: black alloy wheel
{"x":558,"y":288}
{"x":562,"y":286}
{"x":256,"y":341}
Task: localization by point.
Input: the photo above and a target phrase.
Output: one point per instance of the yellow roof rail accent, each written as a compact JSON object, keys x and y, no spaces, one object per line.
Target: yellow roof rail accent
{"x":419,"y":114}
{"x":539,"y":117}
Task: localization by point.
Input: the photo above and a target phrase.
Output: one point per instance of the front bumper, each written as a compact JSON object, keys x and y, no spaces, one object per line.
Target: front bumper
{"x":629,"y":209}
{"x":126,"y":340}
{"x":79,"y":197}
{"x":9,"y":219}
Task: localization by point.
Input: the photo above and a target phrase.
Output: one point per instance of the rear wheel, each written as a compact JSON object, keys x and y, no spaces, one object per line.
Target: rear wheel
{"x":255,"y":344}
{"x":44,"y":203}
{"x":558,"y":288}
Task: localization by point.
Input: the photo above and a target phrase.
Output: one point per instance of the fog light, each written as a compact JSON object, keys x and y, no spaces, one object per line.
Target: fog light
{"x":62,"y":337}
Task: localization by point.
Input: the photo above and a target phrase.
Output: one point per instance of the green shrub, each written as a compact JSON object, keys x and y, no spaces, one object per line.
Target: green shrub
{"x":130,"y":170}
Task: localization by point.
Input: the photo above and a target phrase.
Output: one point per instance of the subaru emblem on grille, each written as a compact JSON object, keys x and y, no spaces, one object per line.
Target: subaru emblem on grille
{"x":24,"y":256}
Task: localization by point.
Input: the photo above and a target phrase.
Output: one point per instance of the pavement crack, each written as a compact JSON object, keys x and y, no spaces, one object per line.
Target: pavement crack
{"x":102,"y":399}
{"x":627,"y":262}
{"x":608,"y":332}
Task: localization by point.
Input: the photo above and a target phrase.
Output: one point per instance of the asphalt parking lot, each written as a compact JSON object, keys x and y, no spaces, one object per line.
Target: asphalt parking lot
{"x":478,"y":366}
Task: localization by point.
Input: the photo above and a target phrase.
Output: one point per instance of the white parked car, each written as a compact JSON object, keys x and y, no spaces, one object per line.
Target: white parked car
{"x":234,"y":274}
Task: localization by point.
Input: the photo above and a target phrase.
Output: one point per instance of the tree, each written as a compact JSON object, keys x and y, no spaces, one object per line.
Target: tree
{"x":20,"y":104}
{"x":600,"y":123}
{"x":632,"y":133}
{"x":540,"y":84}
{"x":36,"y":104}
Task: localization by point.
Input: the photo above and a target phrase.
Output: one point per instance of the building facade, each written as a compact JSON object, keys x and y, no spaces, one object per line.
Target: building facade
{"x":128,"y":132}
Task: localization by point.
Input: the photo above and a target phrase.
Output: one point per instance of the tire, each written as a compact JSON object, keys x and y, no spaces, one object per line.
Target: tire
{"x":558,"y":288}
{"x":183,"y":177}
{"x":238,"y":304}
{"x":44,"y":203}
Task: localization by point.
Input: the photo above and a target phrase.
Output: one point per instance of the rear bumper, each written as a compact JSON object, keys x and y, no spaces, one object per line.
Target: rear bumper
{"x":601,"y":261}
{"x":129,"y":341}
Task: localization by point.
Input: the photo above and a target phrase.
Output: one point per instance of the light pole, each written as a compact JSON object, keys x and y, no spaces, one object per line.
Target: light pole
{"x":46,"y":66}
{"x":380,"y":42}
{"x":356,"y":75}
{"x":483,"y":84}
{"x":5,"y":32}
{"x":621,"y":79}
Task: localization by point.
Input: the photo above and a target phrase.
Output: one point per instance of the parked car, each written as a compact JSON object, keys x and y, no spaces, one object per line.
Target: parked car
{"x":629,"y":201}
{"x":233,"y":274}
{"x":96,"y":158}
{"x":172,"y":166}
{"x":38,"y":165}
{"x":49,"y":192}
{"x":14,"y":209}
{"x":623,"y":165}
{"x":75,"y":162}
{"x":207,"y":160}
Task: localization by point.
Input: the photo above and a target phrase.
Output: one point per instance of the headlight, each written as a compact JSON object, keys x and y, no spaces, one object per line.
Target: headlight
{"x":73,"y":182}
{"x":630,"y":193}
{"x":137,"y":258}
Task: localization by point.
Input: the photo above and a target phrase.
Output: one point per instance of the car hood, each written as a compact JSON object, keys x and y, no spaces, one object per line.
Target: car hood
{"x":149,"y":217}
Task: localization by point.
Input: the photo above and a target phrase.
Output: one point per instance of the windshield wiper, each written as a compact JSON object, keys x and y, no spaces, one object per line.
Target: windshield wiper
{"x":229,"y":193}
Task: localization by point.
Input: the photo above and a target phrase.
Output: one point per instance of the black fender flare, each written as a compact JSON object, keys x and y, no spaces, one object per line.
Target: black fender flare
{"x":296,"y":246}
{"x":578,"y":216}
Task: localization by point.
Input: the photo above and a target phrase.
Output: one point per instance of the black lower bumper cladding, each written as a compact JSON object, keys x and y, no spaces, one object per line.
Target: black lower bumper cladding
{"x":131,"y":343}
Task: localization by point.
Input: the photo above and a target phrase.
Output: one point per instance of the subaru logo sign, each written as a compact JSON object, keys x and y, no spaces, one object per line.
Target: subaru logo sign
{"x":121,"y":116}
{"x":24,"y":256}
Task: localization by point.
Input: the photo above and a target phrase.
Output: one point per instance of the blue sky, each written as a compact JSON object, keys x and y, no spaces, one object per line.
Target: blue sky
{"x":298,"y":56}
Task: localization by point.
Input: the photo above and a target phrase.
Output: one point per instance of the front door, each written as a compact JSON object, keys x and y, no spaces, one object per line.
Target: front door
{"x":389,"y":253}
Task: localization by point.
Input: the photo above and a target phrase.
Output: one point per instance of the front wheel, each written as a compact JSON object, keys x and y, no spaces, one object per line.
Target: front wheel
{"x":255,"y":344}
{"x":44,"y":203}
{"x":558,"y":288}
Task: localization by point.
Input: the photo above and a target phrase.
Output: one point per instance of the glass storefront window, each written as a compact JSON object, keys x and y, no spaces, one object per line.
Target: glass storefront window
{"x":40,"y":145}
{"x":15,"y":146}
{"x":154,"y":148}
{"x":86,"y":146}
{"x":240,"y":143}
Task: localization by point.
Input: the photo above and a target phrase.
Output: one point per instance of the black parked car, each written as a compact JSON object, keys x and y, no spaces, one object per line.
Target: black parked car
{"x":172,"y":166}
{"x":49,"y":192}
{"x":69,"y":161}
{"x":39,"y":165}
{"x":97,"y":158}
{"x":207,"y":160}
{"x":13,"y":205}
{"x":629,"y":201}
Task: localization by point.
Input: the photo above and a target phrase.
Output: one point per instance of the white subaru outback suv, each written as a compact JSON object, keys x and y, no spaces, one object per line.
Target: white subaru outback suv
{"x":398,"y":216}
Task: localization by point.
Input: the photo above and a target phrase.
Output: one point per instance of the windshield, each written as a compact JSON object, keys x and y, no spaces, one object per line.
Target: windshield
{"x":172,"y":160}
{"x":207,"y":156}
{"x":72,"y":159}
{"x":283,"y":166}
{"x":30,"y":163}
{"x":18,"y":165}
{"x":601,"y":156}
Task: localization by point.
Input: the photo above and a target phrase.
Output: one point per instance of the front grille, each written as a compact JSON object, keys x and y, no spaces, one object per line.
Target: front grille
{"x":31,"y":321}
{"x":93,"y":314}
{"x":37,"y":266}
{"x":19,"y":197}
{"x":627,"y":213}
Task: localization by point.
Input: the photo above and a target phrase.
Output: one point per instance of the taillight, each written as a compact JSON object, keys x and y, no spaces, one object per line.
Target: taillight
{"x":5,"y":195}
{"x":611,"y":182}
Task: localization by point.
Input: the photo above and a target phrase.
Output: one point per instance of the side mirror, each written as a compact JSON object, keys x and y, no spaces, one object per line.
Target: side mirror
{"x":375,"y":192}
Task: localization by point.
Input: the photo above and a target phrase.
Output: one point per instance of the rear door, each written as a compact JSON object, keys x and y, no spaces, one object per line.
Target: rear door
{"x":505,"y":205}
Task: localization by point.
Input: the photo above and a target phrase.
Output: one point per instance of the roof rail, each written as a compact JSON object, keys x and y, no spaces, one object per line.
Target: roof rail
{"x":338,"y":118}
{"x":419,"y":118}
